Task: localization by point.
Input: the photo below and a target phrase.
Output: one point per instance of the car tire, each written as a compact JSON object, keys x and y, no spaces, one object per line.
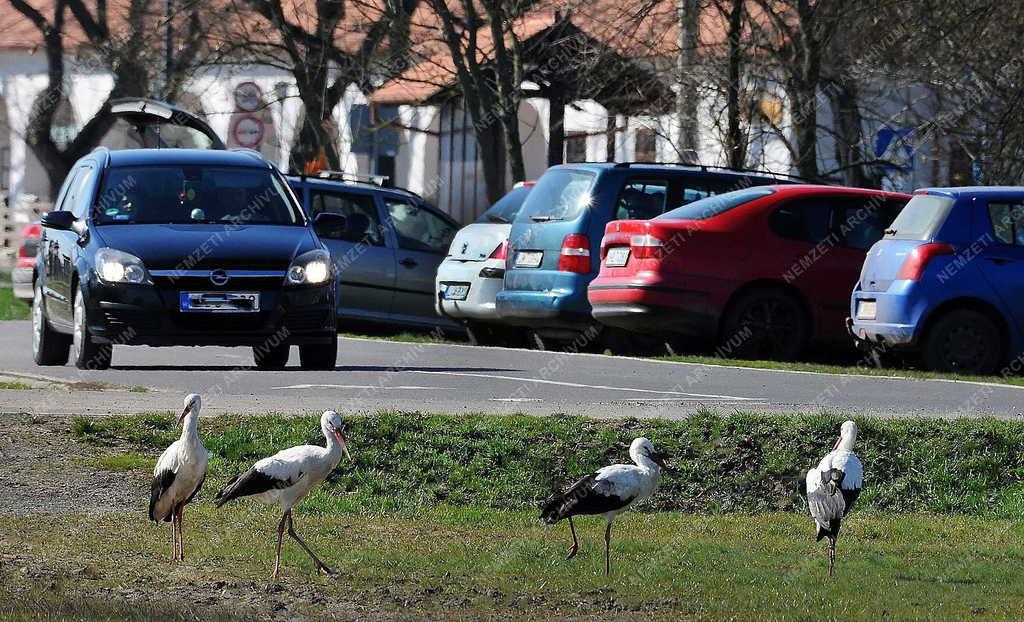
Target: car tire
{"x":271,"y":357}
{"x":84,"y":353}
{"x":963,"y":341}
{"x":319,"y":355}
{"x":764,"y":324}
{"x":480,"y":334}
{"x":48,"y":346}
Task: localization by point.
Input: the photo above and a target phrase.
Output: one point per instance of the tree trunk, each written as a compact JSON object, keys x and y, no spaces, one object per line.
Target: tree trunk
{"x":688,"y":14}
{"x":735,"y":137}
{"x":844,"y":99}
{"x":803,"y":108}
{"x":318,"y":103}
{"x":492,"y":158}
{"x":556,"y":129}
{"x":611,"y":129}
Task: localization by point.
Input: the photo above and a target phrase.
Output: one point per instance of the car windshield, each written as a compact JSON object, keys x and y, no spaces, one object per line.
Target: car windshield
{"x":921,"y":218}
{"x":505,"y":210}
{"x":560,"y":194}
{"x":715,"y":205}
{"x":193,"y":194}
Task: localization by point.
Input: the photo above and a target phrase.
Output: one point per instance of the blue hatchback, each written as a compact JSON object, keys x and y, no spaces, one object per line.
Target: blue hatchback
{"x":555,"y":239}
{"x":947,"y":280}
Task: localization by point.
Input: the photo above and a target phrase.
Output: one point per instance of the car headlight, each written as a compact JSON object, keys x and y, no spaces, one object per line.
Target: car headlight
{"x":312,"y":268}
{"x":114,"y":266}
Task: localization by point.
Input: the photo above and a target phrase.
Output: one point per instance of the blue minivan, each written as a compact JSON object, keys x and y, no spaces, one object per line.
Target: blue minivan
{"x":947,"y":281}
{"x":556,"y":237}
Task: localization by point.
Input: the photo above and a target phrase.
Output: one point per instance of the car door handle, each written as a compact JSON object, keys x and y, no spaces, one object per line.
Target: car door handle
{"x":1000,"y":261}
{"x":409,"y":262}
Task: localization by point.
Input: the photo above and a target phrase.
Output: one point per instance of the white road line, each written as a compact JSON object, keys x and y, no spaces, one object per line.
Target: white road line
{"x":362,"y":386}
{"x":585,"y":386}
{"x":515,"y":399}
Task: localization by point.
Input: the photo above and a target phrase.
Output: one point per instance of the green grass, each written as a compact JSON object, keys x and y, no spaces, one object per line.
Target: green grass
{"x":404,"y":462}
{"x":402,"y":337}
{"x":463,"y":563}
{"x":124,"y":462}
{"x":831,"y":368}
{"x":14,"y":386}
{"x":138,"y":388}
{"x":10,"y":307}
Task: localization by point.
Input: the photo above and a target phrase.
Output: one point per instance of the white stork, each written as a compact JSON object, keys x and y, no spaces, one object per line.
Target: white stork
{"x":287,"y":477}
{"x":833,"y":486}
{"x":178,"y":476}
{"x":610,"y":491}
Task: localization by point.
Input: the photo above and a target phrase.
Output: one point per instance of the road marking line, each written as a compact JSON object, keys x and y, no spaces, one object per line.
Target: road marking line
{"x":408,"y":387}
{"x":585,"y":386}
{"x":515,"y":399}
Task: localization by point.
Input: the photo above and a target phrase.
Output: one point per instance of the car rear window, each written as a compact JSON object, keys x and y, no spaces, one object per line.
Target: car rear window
{"x":715,"y":205}
{"x":921,"y":218}
{"x":193,"y":194}
{"x":560,"y":194}
{"x":506,"y":209}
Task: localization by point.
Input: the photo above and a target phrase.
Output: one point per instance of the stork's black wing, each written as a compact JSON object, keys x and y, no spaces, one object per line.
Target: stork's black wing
{"x":252,"y":482}
{"x":587,"y":496}
{"x":161,"y":482}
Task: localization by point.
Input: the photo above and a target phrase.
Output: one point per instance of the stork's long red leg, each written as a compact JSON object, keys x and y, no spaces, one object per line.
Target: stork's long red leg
{"x":280,"y":538}
{"x":320,"y":566}
{"x":174,"y":538}
{"x":607,"y":550}
{"x":181,"y":533}
{"x":831,"y":554}
{"x":575,"y":548}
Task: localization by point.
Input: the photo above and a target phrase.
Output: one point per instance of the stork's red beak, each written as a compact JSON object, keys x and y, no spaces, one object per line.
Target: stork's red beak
{"x":184,"y":411}
{"x":838,"y":440}
{"x":340,"y":435}
{"x":660,"y":460}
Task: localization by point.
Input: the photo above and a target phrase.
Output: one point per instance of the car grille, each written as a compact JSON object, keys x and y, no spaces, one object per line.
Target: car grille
{"x":121,"y":321}
{"x":306,"y":319}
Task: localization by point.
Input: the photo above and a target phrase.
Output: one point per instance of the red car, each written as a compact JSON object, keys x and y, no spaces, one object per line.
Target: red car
{"x":763,"y":271}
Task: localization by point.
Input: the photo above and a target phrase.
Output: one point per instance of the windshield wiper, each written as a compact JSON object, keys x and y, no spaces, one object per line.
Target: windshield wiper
{"x":498,"y":219}
{"x":545,"y":218}
{"x":889,"y":232}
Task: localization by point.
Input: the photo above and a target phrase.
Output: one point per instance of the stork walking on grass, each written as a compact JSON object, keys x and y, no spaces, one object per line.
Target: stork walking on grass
{"x":609,"y":491}
{"x":287,"y":477}
{"x":178,"y":476}
{"x":833,"y":487}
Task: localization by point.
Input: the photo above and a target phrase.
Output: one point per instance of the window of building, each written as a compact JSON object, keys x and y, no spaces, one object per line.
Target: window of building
{"x":576,"y":147}
{"x":646,"y":145}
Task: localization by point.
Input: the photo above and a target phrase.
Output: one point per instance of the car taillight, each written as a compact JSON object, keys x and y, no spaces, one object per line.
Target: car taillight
{"x":26,"y":256}
{"x":917,"y":260}
{"x":501,"y":252}
{"x":575,"y":256}
{"x":646,"y":247}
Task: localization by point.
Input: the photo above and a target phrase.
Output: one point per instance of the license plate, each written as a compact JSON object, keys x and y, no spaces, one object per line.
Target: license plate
{"x":456,"y":292}
{"x":867,"y":309}
{"x":528,"y":259}
{"x":617,"y":256}
{"x":220,"y":302}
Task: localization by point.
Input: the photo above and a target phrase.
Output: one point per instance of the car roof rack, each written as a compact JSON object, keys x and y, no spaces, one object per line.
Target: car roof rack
{"x":711,"y":167}
{"x":377,"y":181}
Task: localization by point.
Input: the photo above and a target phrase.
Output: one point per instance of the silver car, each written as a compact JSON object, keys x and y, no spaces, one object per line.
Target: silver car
{"x":470,"y":277}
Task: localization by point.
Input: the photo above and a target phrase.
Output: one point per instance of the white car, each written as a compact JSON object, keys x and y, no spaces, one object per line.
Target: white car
{"x":470,"y":277}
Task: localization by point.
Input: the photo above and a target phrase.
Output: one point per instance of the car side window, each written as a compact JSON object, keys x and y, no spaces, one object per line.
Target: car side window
{"x":862,"y":223}
{"x":1007,"y":223}
{"x":641,"y":199}
{"x":79,"y":202}
{"x":419,"y":229}
{"x":806,"y":221}
{"x":64,"y":199}
{"x":359,"y":210}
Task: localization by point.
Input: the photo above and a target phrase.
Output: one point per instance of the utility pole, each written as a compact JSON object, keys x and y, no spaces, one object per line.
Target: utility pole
{"x":687,"y":95}
{"x":168,"y":44}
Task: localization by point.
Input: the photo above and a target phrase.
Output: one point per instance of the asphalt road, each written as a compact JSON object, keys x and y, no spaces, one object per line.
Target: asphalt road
{"x":374,"y":374}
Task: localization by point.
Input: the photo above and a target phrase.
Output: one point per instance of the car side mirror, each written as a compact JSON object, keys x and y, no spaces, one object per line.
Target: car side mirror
{"x":330,"y":225}
{"x":60,"y":220}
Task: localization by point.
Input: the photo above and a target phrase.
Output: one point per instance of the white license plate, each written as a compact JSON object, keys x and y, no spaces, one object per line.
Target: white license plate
{"x":528,"y":259}
{"x":456,"y":292}
{"x":867,"y":309}
{"x":220,"y":302}
{"x":617,"y":257}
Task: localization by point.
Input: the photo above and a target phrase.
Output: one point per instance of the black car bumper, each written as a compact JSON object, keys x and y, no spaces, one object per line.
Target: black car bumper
{"x":654,"y":319}
{"x":151,"y":315}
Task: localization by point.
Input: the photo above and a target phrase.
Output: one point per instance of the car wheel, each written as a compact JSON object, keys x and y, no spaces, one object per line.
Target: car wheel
{"x":963,"y":341}
{"x":271,"y":357}
{"x":85,"y":353}
{"x":487,"y":335}
{"x":319,"y":355}
{"x":48,"y":346}
{"x":764,"y":324}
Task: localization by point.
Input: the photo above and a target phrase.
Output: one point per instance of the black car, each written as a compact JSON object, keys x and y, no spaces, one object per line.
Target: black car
{"x":169,"y":247}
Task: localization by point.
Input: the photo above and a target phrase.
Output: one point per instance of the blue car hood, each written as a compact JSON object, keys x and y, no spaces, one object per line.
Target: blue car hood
{"x":210,"y":246}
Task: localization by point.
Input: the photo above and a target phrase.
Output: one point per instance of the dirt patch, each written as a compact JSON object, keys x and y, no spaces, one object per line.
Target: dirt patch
{"x":43,"y":470}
